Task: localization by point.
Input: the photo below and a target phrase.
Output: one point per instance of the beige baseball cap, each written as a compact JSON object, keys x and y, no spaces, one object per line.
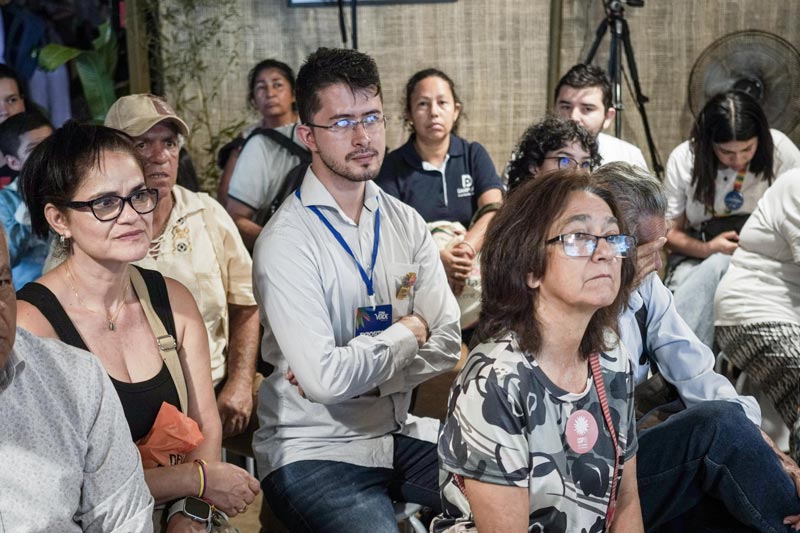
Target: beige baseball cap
{"x":137,"y":113}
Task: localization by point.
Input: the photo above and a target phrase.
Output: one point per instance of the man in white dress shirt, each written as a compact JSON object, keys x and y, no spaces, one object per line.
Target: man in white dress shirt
{"x":356,"y":312}
{"x":584,"y":95}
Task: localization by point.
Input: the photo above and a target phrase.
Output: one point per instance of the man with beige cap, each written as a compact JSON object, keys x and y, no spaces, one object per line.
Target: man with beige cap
{"x":196,"y":242}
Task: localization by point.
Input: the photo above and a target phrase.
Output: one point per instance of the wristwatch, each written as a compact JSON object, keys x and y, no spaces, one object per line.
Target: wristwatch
{"x":194,"y":508}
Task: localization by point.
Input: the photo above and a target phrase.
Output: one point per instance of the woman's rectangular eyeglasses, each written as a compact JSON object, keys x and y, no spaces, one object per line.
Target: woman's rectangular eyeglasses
{"x":584,"y":244}
{"x":107,"y":208}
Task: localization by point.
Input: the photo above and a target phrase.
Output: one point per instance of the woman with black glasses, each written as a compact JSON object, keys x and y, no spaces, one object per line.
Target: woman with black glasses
{"x":86,"y":184}
{"x":540,"y":433}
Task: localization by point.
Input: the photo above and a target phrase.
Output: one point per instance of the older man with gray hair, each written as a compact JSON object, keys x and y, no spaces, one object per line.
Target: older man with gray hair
{"x":711,"y":450}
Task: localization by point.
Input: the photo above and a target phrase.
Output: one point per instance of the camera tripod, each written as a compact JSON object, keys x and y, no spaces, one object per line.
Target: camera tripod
{"x":621,"y":40}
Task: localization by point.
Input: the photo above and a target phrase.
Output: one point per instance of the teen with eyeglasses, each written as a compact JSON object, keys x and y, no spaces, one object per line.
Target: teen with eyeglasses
{"x":540,"y":432}
{"x":86,"y":184}
{"x":550,"y":145}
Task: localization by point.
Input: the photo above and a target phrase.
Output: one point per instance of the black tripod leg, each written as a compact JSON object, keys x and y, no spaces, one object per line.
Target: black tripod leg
{"x":598,"y":38}
{"x":615,"y":71}
{"x":641,"y":99}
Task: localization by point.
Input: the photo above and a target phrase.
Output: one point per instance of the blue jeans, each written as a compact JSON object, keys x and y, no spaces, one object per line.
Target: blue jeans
{"x":331,"y":496}
{"x":693,"y":283}
{"x":712,"y":450}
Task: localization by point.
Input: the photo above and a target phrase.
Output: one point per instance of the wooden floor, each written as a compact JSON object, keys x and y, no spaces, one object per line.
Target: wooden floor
{"x":248,"y":522}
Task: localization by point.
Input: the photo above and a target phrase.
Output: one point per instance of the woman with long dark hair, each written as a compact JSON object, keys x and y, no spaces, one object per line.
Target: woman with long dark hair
{"x":540,"y":433}
{"x":441,"y":175}
{"x":713,"y":183}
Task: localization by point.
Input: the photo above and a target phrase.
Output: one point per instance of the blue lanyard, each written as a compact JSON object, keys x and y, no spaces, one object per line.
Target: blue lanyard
{"x":367,"y":278}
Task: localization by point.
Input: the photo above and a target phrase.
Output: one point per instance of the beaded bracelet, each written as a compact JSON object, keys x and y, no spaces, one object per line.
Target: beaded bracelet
{"x":201,"y":467}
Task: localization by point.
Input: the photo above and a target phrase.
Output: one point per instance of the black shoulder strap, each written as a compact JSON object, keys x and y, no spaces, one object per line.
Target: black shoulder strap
{"x":286,"y":142}
{"x":641,"y":321}
{"x":159,"y":297}
{"x":292,"y":180}
{"x":46,"y":302}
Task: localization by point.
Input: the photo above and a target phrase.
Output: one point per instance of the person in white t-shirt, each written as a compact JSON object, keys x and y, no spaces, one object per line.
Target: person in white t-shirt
{"x":758,"y":312}
{"x":713,"y":182}
{"x":256,"y":169}
{"x":584,"y":95}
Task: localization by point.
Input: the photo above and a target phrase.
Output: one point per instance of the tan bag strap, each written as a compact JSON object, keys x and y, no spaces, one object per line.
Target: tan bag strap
{"x":167,"y":344}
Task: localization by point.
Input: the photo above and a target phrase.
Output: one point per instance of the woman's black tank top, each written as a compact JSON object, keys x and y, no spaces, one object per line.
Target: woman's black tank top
{"x":140,"y":401}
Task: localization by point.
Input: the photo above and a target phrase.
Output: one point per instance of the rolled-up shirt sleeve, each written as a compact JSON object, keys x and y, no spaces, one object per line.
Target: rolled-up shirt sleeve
{"x":682,"y":358}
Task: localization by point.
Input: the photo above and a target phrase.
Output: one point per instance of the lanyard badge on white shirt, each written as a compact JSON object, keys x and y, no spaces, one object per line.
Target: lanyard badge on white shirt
{"x":371,"y":319}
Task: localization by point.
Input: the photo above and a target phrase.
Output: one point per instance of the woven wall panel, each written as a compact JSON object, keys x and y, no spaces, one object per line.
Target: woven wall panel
{"x":667,"y":38}
{"x":494,"y":50}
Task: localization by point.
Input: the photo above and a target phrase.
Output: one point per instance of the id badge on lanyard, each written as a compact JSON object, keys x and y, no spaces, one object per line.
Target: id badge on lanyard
{"x":371,"y":319}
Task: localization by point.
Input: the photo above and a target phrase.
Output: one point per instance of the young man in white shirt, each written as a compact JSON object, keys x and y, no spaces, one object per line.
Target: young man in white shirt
{"x":356,"y":312}
{"x":584,"y":95}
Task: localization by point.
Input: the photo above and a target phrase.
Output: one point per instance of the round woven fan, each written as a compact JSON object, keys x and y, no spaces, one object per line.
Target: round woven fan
{"x":757,"y":62}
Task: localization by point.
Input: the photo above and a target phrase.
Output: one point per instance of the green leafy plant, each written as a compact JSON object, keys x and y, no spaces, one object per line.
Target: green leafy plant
{"x":95,"y":68}
{"x":196,"y":59}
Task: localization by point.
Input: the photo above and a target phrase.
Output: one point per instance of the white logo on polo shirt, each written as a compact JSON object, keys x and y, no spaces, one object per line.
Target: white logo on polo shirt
{"x":467,"y":188}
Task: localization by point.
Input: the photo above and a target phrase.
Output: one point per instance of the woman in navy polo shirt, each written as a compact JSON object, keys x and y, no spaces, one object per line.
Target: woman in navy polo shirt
{"x":441,"y":175}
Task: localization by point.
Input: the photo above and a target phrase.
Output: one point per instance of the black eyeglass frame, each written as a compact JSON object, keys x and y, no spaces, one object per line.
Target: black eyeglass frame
{"x":352,"y":124}
{"x":561,"y":238}
{"x":578,"y":164}
{"x":129,"y":199}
